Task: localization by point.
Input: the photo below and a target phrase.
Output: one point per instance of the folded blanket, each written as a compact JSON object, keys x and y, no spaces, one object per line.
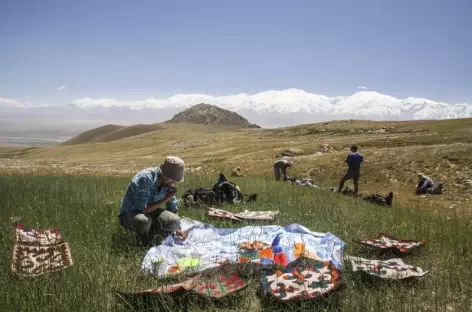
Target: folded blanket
{"x":216,"y":285}
{"x":387,"y":242}
{"x":388,"y":269}
{"x":37,"y":252}
{"x":245,"y":215}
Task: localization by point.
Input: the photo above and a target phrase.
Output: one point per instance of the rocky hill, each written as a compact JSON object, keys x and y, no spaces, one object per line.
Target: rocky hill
{"x":211,"y":115}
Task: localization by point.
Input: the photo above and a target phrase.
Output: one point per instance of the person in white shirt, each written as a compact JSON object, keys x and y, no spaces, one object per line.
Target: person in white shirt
{"x":280,"y":168}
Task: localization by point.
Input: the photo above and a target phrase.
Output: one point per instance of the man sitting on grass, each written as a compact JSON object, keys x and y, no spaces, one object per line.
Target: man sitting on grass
{"x":354,"y":161}
{"x":148,"y":190}
{"x":427,"y":186}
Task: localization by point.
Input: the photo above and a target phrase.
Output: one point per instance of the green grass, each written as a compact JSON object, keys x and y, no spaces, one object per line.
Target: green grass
{"x":85,"y":208}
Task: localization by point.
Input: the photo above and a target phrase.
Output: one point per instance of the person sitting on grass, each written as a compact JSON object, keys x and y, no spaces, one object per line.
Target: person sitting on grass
{"x":354,"y":161}
{"x":150,"y":189}
{"x":427,"y":186}
{"x":424,"y":184}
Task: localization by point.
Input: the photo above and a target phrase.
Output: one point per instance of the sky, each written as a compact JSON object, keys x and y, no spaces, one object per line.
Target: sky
{"x":53,"y":52}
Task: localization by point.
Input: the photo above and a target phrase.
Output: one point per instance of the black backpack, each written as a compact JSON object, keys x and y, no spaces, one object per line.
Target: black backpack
{"x":200,"y":196}
{"x":223,"y":192}
{"x":227,"y":193}
{"x":379,"y":199}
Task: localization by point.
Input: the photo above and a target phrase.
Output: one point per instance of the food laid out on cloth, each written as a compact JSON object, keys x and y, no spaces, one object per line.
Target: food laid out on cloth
{"x":245,"y":215}
{"x":383,"y":241}
{"x":206,"y":247}
{"x":387,"y":269}
{"x":37,"y":251}
{"x":303,"y":279}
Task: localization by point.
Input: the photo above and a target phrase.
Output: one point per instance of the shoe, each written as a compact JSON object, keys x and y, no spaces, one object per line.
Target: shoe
{"x":144,"y":241}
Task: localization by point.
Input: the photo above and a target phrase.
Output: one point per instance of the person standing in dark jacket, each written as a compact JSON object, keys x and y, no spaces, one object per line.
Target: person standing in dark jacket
{"x":354,"y":161}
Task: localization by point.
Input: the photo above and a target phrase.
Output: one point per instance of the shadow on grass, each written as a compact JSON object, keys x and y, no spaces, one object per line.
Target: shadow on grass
{"x":331,"y":302}
{"x":178,"y":301}
{"x":125,"y":243}
{"x":190,"y":301}
{"x":388,"y":253}
{"x":377,"y":282}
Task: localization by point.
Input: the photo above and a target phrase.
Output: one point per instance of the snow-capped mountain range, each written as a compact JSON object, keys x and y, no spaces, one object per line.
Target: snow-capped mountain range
{"x":363,"y":104}
{"x":275,"y":108}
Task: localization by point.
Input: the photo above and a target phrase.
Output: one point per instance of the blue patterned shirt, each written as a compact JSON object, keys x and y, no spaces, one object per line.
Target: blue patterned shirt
{"x":142,"y":190}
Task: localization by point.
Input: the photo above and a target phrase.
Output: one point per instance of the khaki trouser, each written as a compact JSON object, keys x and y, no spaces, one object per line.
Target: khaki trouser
{"x":350,"y":174}
{"x":158,"y":222}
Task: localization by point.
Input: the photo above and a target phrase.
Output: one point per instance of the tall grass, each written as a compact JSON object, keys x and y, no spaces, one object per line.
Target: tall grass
{"x":85,"y":208}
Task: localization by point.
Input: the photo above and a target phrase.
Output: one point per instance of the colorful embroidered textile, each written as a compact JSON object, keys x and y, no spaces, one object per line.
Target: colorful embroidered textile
{"x":385,"y":242}
{"x":301,"y":280}
{"x":216,"y":286}
{"x":37,"y":252}
{"x":390,"y":269}
{"x":206,"y":247}
{"x":245,"y":215}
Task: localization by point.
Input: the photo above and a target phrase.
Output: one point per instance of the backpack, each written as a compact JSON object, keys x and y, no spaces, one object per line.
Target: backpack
{"x":223,"y":192}
{"x":379,"y":199}
{"x":227,"y":192}
{"x":200,"y":196}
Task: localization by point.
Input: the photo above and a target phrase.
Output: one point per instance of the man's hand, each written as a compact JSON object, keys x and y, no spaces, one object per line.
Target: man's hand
{"x":171,"y":192}
{"x":152,"y":206}
{"x":181,"y":234}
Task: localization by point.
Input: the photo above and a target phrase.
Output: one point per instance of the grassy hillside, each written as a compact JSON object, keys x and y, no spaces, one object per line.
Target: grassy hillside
{"x":394,"y":153}
{"x":110,"y":133}
{"x":104,"y":259}
{"x":92,"y":134}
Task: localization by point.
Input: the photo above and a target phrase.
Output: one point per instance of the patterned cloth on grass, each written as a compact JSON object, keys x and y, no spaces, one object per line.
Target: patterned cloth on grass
{"x":245,"y":215}
{"x":208,"y":247}
{"x":384,"y":241}
{"x":216,"y":285}
{"x":303,"y":279}
{"x":388,"y":269}
{"x":37,"y":252}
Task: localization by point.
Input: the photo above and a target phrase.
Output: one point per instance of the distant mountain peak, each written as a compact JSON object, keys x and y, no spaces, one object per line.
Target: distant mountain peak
{"x":210,"y":114}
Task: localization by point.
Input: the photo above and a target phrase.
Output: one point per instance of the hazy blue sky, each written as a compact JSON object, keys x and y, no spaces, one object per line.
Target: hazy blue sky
{"x":139,"y":49}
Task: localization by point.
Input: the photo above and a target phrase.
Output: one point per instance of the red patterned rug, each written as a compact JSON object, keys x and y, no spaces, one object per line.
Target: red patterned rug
{"x":303,"y":279}
{"x":384,"y":242}
{"x":217,"y":285}
{"x":38,"y":252}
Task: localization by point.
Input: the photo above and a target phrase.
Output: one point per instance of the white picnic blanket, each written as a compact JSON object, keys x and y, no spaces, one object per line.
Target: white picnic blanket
{"x":207,"y":246}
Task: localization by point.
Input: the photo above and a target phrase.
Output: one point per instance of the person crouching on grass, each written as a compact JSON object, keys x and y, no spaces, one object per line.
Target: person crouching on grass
{"x":148,"y":190}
